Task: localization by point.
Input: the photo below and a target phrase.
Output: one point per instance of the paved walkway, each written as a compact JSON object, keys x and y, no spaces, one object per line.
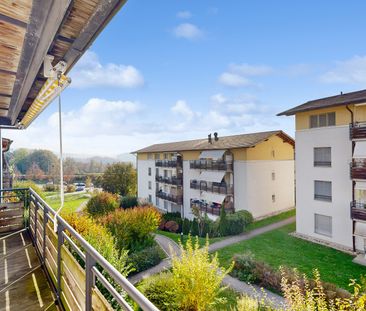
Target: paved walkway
{"x":237,"y":285}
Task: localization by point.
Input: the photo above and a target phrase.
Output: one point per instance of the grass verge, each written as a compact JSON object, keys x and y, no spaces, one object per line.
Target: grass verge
{"x":277,"y":248}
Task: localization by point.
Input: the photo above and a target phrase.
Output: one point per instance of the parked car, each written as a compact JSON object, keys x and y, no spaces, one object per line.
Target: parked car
{"x":79,"y":186}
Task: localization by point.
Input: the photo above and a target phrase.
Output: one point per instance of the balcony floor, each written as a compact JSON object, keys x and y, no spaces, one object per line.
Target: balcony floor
{"x":23,"y":284}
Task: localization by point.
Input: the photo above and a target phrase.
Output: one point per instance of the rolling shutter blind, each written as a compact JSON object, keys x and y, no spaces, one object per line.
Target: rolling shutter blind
{"x":323,"y":190}
{"x":322,"y":156}
{"x":323,"y":225}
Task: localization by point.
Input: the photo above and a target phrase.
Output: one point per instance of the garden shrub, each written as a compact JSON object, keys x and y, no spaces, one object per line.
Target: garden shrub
{"x":186,"y":226}
{"x":172,"y":216}
{"x":132,"y":228}
{"x":160,"y":290}
{"x":50,"y":187}
{"x":29,"y":184}
{"x":246,"y":216}
{"x":197,"y":282}
{"x":102,"y":203}
{"x":129,"y":201}
{"x":171,"y":226}
{"x":244,"y":267}
{"x":235,"y":224}
{"x":222,"y":222}
{"x":146,"y":258}
{"x":70,"y":188}
{"x":101,"y":239}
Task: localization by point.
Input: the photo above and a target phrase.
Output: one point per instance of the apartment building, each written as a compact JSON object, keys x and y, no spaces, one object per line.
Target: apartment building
{"x":331,"y":169}
{"x":253,"y":172}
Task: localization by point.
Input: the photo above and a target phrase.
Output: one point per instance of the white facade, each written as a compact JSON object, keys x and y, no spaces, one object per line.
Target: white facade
{"x":263,"y":187}
{"x":338,"y":208}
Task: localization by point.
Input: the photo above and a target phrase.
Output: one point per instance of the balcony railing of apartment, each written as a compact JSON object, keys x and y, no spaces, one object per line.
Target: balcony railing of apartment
{"x":212,"y":208}
{"x":357,"y":130}
{"x":168,"y":163}
{"x":176,"y":181}
{"x":217,"y":165}
{"x":358,"y":169}
{"x":73,"y":267}
{"x":178,"y":199}
{"x":358,"y":210}
{"x":221,"y":188}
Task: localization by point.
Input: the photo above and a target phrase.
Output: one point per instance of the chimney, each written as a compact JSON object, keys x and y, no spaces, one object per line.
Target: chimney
{"x":216,"y":136}
{"x":209,"y":139}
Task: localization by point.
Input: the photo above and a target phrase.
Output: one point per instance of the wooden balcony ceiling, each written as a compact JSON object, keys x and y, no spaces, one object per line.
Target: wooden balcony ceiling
{"x":31,"y":29}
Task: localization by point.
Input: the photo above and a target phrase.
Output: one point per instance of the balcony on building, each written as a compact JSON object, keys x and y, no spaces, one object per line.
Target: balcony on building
{"x":358,"y":210}
{"x":358,"y":169}
{"x":214,"y":187}
{"x":212,"y":208}
{"x":357,"y":130}
{"x":169,"y":163}
{"x":216,"y":165}
{"x":174,"y":180}
{"x":175,"y":198}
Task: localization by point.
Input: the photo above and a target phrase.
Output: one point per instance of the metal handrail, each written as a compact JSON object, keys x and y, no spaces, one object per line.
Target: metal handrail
{"x":90,"y":254}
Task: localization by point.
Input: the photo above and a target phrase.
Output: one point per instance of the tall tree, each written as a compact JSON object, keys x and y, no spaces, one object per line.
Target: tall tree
{"x":120,"y":178}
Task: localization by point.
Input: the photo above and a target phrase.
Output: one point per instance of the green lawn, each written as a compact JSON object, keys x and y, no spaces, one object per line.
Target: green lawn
{"x":270,"y":220}
{"x":277,"y":248}
{"x":72,"y":202}
{"x":176,"y":237}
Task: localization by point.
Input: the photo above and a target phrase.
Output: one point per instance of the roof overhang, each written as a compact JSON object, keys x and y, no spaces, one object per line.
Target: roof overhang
{"x":30,"y":30}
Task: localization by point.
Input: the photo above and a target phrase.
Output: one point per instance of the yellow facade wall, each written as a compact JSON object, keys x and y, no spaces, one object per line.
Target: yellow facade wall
{"x":190,"y":155}
{"x":142,"y":156}
{"x":272,"y":149}
{"x":239,"y":154}
{"x":343,"y":116}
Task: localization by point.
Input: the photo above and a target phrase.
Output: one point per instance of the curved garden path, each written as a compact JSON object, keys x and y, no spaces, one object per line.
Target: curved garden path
{"x":168,"y":244}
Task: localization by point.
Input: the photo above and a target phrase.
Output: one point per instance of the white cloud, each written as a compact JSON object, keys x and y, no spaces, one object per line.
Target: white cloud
{"x":181,"y":108}
{"x":89,"y":72}
{"x":350,"y":71}
{"x":233,"y":79}
{"x":184,"y":14}
{"x":188,"y":31}
{"x":218,"y":98}
{"x":238,"y":75}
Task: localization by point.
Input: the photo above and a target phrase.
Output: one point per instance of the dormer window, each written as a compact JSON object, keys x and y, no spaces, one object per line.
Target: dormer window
{"x":322,"y":120}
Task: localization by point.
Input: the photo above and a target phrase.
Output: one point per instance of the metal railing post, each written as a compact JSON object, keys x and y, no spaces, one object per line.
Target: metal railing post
{"x":35,"y":223}
{"x":60,"y":242}
{"x":89,"y":281}
{"x":45,"y":219}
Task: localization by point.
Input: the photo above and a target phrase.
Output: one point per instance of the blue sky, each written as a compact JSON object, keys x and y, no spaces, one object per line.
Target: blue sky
{"x":172,"y":70}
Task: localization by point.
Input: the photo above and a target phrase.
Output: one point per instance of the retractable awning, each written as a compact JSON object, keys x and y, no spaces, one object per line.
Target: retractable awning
{"x":212,"y":176}
{"x":213,"y":197}
{"x":360,"y":149}
{"x":360,"y":229}
{"x":360,"y":185}
{"x":212,"y":154}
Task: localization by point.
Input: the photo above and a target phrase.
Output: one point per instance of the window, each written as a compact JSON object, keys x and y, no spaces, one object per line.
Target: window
{"x":273,"y":175}
{"x":150,"y":185}
{"x":157,"y":156}
{"x":165,"y":173}
{"x":323,"y":224}
{"x":157,"y":171}
{"x":150,"y":198}
{"x":165,"y":156}
{"x":273,"y":198}
{"x":323,"y":190}
{"x":273,"y":153}
{"x":157,"y":201}
{"x":149,"y":171}
{"x":149,"y":156}
{"x":322,"y":156}
{"x":165,"y":205}
{"x":321,"y":120}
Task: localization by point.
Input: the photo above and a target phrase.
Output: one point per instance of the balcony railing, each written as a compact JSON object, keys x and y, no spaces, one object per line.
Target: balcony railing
{"x":358,"y":169}
{"x":358,"y":210}
{"x":178,"y":199}
{"x":212,"y":208}
{"x":357,"y":130}
{"x":73,"y":266}
{"x":218,"y":165}
{"x":220,"y":188}
{"x":176,"y":181}
{"x":168,"y":163}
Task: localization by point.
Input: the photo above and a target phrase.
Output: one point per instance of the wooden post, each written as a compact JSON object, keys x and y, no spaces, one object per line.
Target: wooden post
{"x":89,"y":281}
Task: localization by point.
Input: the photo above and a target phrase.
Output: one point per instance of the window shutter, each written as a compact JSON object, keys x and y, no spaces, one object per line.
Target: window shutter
{"x":323,"y":224}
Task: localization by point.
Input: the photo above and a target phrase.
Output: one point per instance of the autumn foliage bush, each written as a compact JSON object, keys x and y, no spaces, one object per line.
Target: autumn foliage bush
{"x":102,"y":203}
{"x":132,"y":228}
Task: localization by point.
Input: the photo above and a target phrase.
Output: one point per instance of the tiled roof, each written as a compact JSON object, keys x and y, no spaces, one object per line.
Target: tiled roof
{"x":332,"y":101}
{"x":225,"y":142}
